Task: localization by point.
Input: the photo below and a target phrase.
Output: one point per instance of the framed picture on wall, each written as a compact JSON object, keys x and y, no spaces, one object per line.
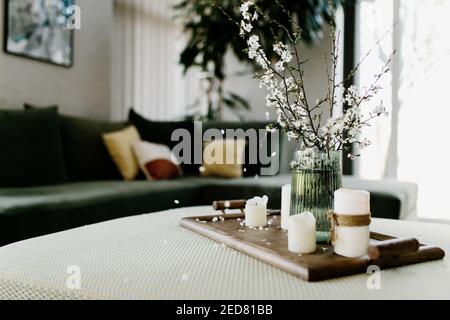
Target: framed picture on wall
{"x":38,"y":29}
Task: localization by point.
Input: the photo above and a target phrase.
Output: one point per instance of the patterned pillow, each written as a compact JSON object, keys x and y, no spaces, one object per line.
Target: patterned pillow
{"x":156,"y":161}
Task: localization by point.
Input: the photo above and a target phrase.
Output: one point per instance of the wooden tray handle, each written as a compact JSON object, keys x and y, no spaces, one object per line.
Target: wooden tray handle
{"x":392,"y":248}
{"x":229,"y":204}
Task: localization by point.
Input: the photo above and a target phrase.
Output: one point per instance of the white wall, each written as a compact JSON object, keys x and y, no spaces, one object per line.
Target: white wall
{"x":83,"y":89}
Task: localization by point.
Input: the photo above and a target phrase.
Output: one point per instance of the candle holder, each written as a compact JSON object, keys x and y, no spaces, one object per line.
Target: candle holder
{"x":315,"y":177}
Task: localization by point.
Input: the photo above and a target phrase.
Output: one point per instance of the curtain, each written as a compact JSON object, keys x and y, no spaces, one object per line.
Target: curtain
{"x":147,"y":42}
{"x":412,"y":144}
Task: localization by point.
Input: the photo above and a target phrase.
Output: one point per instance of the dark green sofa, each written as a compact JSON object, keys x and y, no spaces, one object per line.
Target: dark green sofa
{"x":92,"y":191}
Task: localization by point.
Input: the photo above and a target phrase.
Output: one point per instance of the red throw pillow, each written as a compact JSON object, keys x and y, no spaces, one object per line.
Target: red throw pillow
{"x":161,"y":169}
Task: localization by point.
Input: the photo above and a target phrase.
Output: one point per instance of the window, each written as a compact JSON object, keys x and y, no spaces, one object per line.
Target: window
{"x":413,"y":143}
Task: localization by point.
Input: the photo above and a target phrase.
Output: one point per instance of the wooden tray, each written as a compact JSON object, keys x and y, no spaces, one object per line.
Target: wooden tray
{"x":271,"y":246}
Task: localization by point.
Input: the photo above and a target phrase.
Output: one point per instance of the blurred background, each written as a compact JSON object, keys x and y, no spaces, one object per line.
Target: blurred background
{"x":172,"y":59}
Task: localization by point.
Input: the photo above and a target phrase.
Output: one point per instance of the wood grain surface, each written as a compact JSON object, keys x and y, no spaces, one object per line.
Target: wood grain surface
{"x":270,"y":245}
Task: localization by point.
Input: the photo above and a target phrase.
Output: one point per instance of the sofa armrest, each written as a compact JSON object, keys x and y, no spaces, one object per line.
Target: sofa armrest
{"x":388,"y":194}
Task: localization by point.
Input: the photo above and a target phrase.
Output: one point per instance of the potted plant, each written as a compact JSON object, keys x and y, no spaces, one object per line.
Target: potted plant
{"x":212,"y":36}
{"x":323,"y":131}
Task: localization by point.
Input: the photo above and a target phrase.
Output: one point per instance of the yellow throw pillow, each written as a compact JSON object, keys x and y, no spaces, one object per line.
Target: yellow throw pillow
{"x":223,"y":158}
{"x":120,"y":147}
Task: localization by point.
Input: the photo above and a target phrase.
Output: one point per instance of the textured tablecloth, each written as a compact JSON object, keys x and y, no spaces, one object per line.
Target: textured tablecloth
{"x":152,"y":257}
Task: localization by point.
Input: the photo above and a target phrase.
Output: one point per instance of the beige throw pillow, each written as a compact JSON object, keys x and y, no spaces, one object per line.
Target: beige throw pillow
{"x":120,"y":147}
{"x":223,"y":158}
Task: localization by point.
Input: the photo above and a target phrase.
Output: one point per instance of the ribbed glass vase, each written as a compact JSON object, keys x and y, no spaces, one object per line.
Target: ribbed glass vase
{"x":315,"y":178}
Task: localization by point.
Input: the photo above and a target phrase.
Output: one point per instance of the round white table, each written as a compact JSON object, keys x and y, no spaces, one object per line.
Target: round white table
{"x":152,"y":257}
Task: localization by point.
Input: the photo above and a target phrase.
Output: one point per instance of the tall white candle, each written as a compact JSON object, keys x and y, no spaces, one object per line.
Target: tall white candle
{"x":302,"y":233}
{"x":256,"y":212}
{"x":285,"y":206}
{"x":351,"y":242}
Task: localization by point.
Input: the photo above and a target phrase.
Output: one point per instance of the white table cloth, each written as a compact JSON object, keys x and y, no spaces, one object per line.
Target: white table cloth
{"x":152,"y":257}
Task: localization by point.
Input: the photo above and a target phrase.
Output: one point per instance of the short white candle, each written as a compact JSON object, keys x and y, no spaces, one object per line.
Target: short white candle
{"x":302,"y":233}
{"x":256,"y":212}
{"x":285,"y":206}
{"x":351,"y":242}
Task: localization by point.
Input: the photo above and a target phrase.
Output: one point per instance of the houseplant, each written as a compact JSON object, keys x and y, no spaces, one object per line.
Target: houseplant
{"x":211,"y":37}
{"x":322,"y":130}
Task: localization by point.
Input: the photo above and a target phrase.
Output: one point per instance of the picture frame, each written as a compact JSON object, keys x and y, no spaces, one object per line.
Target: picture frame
{"x":37,"y":30}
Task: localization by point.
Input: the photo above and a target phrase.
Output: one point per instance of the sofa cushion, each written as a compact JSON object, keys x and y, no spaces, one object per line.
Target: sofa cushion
{"x":85,"y":154}
{"x":31,"y":212}
{"x":120,"y":147}
{"x":31,"y":148}
{"x":389,"y":200}
{"x":160,"y":132}
{"x":223,"y":158}
{"x":245,"y":188}
{"x":250,"y":169}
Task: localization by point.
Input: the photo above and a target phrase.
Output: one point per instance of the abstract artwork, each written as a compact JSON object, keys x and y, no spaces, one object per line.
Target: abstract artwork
{"x":38,"y":29}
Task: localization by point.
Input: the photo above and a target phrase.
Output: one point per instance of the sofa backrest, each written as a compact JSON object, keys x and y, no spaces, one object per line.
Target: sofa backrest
{"x":85,"y":154}
{"x":31,"y":148}
{"x":87,"y":158}
{"x":161,"y":132}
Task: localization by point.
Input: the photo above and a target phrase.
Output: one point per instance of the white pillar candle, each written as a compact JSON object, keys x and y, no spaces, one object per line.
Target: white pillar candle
{"x":256,"y":212}
{"x":285,"y":206}
{"x":302,"y":233}
{"x":351,"y":242}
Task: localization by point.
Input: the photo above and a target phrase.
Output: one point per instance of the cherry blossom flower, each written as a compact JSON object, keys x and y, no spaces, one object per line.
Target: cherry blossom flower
{"x":286,"y":93}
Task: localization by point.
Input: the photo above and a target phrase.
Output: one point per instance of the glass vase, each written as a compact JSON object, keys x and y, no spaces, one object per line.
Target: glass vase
{"x":315,"y":177}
